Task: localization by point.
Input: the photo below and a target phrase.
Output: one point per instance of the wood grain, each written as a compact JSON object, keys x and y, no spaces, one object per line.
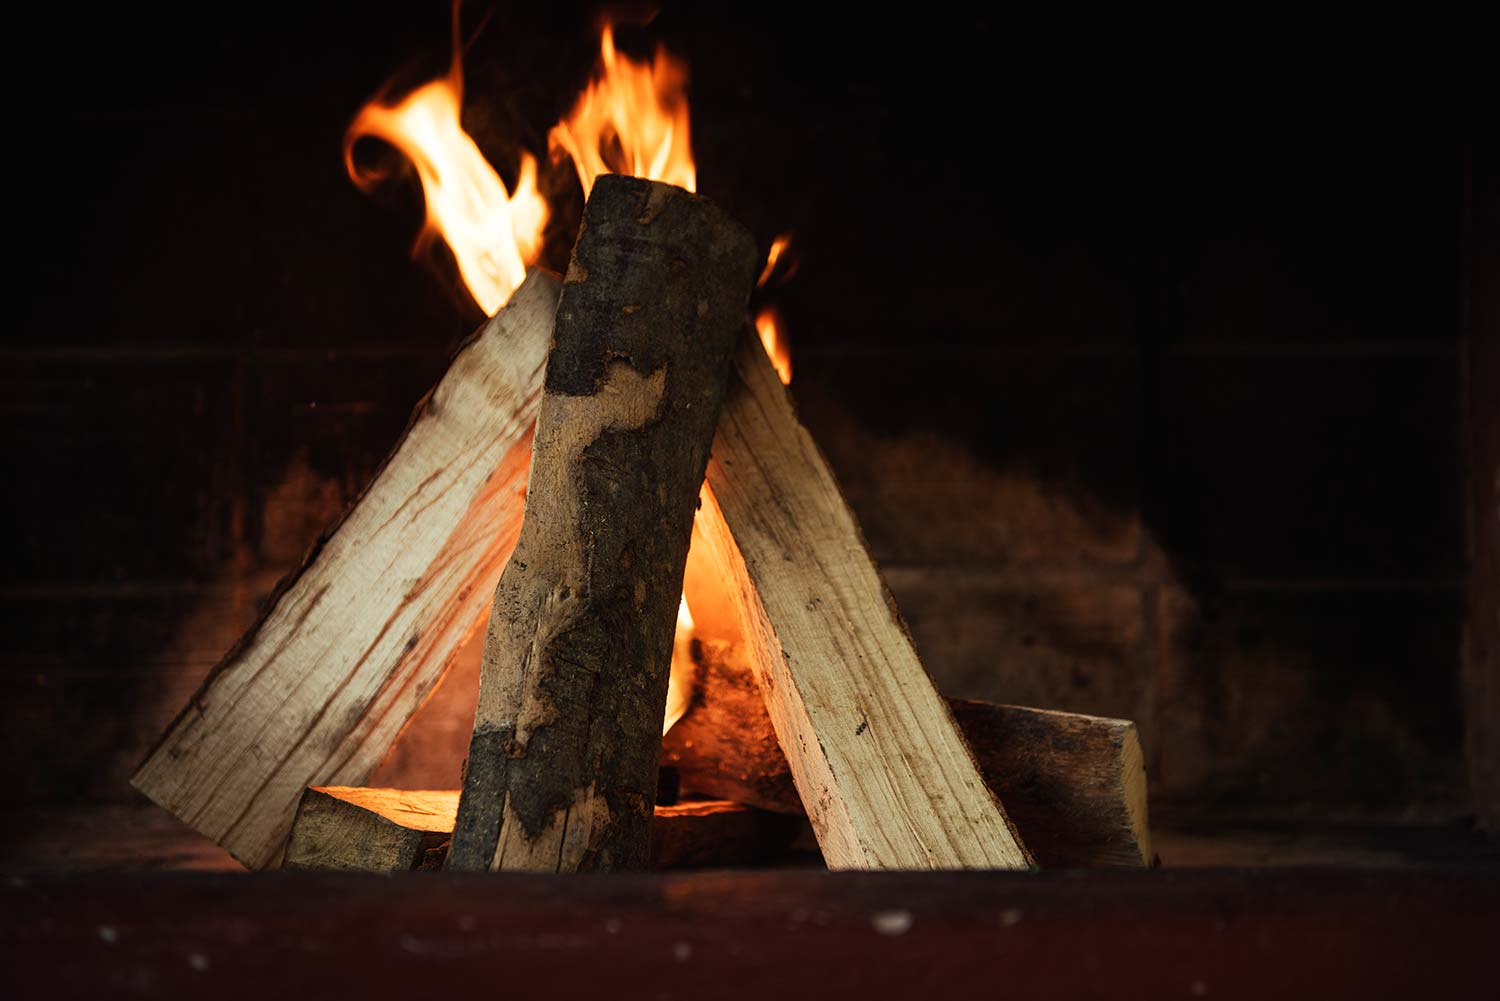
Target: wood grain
{"x":562,"y":767}
{"x":876,"y":756}
{"x":351,"y":645}
{"x":1074,"y":785}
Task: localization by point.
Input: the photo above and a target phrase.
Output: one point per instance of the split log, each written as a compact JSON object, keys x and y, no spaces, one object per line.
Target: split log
{"x":352,"y":644}
{"x":397,"y":830}
{"x":1074,"y":785}
{"x":562,"y":766}
{"x":873,"y":748}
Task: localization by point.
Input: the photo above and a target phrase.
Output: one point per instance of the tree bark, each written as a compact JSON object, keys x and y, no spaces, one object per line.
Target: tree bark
{"x":562,"y":766}
{"x":349,"y":648}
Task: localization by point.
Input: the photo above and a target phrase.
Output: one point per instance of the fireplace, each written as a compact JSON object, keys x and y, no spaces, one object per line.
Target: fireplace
{"x":1154,"y":357}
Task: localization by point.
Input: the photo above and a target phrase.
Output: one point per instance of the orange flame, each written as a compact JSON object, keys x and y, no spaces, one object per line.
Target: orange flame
{"x":768,"y":322}
{"x":494,"y":234}
{"x":778,"y":250}
{"x":772,"y":330}
{"x":632,"y":119}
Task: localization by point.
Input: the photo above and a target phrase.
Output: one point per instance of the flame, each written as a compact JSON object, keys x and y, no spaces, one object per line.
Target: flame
{"x":772,"y":330}
{"x":773,"y":258}
{"x":494,"y":234}
{"x":632,"y":119}
{"x":680,"y":681}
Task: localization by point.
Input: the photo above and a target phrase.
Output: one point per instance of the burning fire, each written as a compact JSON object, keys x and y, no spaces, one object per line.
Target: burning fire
{"x":768,"y":322}
{"x":632,"y":119}
{"x":772,"y":330}
{"x":680,"y":681}
{"x":494,"y":234}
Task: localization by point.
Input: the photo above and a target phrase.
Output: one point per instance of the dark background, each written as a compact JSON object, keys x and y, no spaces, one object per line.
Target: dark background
{"x":1136,"y":341}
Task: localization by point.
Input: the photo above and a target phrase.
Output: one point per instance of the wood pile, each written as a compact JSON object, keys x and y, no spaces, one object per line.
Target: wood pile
{"x":603,"y":446}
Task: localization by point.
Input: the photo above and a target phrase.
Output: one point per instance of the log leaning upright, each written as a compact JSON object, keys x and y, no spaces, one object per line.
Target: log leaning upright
{"x":878,"y":760}
{"x":562,"y":766}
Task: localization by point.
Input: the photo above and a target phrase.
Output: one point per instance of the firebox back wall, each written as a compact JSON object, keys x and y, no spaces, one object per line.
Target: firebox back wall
{"x":1154,"y":415}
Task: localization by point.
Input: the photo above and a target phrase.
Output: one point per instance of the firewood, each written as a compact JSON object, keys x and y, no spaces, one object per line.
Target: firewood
{"x":1074,"y":785}
{"x":352,"y":643}
{"x":352,"y":829}
{"x":878,"y":760}
{"x":562,"y":766}
{"x":398,"y":830}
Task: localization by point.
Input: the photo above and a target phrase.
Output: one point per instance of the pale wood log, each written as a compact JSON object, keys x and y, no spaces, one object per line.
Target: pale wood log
{"x":562,"y":767}
{"x":1074,"y":785}
{"x":877,"y":758}
{"x":318,"y":690}
{"x":398,"y":830}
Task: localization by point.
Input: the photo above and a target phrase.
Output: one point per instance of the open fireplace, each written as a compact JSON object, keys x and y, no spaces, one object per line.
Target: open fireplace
{"x":960,"y":499}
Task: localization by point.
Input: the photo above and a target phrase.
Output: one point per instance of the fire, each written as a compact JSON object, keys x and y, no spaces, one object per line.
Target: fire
{"x":680,"y":681}
{"x":768,"y":322}
{"x":774,"y":261}
{"x":493,"y":233}
{"x":772,"y":330}
{"x":632,"y":119}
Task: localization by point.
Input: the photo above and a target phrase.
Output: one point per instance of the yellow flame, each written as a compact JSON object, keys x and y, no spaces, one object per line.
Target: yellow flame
{"x":494,"y":234}
{"x":680,"y":681}
{"x":773,"y":258}
{"x":772,"y":330}
{"x":632,"y":119}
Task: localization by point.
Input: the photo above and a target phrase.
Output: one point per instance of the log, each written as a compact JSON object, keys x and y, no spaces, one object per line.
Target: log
{"x":354,"y":829}
{"x":873,"y":749}
{"x":1074,"y":785}
{"x":352,"y":643}
{"x":397,"y":830}
{"x":561,"y":774}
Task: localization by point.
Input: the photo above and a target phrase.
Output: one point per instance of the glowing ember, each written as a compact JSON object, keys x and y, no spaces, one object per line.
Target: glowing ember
{"x":494,"y":234}
{"x":632,"y":119}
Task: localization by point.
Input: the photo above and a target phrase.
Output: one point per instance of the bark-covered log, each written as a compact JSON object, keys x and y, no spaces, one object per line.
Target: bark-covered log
{"x":562,"y":766}
{"x":399,"y":830}
{"x":318,"y":690}
{"x":1074,"y":785}
{"x":882,"y":770}
{"x":354,"y":829}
